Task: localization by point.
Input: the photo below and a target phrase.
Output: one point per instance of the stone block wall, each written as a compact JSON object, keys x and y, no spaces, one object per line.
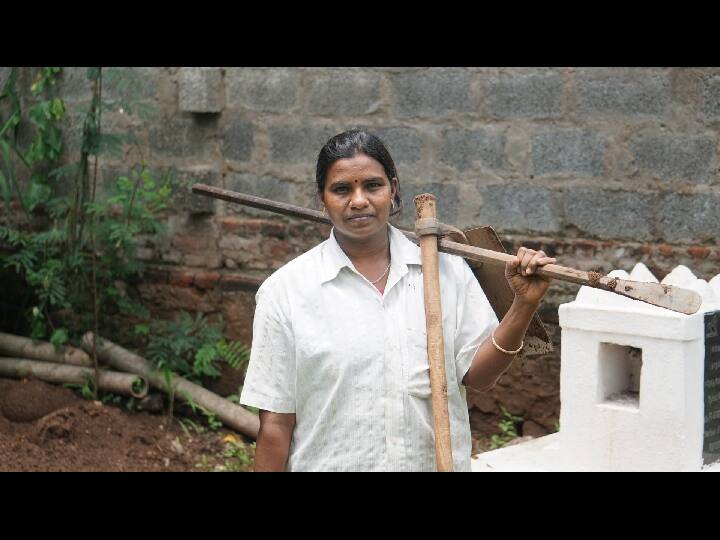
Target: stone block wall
{"x":601,"y":167}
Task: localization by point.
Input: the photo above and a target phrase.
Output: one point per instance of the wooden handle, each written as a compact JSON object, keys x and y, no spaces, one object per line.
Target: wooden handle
{"x":657,"y":294}
{"x":425,"y":206}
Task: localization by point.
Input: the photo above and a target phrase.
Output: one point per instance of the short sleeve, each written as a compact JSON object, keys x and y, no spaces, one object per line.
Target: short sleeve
{"x":476,"y":319}
{"x":270,"y":379}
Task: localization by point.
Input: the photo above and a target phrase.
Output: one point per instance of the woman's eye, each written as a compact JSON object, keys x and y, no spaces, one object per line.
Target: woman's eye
{"x":341,"y":189}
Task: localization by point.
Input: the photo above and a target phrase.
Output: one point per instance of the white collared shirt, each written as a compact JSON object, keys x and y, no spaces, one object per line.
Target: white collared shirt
{"x":352,"y":364}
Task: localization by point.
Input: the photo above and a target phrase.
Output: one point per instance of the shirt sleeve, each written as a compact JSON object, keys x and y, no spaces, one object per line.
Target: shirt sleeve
{"x":270,"y":379}
{"x":476,"y":319}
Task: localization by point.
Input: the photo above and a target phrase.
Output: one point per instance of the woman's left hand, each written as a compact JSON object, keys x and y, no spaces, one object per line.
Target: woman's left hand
{"x":522,"y":278}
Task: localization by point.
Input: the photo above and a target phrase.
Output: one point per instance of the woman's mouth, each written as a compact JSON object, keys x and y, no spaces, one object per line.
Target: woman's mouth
{"x":360,"y":218}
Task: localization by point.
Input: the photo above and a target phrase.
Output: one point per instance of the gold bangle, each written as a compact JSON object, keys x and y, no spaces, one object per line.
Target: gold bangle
{"x":499,"y":348}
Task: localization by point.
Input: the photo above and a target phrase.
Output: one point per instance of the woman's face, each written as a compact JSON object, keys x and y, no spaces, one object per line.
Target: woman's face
{"x":358,"y":196}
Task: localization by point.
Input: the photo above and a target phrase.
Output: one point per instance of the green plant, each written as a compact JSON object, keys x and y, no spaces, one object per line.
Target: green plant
{"x":88,"y":245}
{"x":75,"y":250}
{"x":87,"y":390}
{"x":213,"y":423}
{"x":191,"y":347}
{"x":238,"y":455}
{"x":508,"y":425}
{"x":186,"y":424}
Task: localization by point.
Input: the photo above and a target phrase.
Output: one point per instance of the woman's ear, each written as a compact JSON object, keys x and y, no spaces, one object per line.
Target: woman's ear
{"x":393,"y":187}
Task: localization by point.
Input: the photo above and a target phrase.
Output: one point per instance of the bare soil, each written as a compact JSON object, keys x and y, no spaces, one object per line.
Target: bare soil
{"x":50,"y":428}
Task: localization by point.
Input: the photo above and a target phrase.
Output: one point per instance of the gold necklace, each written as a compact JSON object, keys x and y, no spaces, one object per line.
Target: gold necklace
{"x":381,"y":275}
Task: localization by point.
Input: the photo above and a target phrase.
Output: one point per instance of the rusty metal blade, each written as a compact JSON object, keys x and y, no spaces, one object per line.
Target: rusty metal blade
{"x":496,"y":288}
{"x":665,"y":296}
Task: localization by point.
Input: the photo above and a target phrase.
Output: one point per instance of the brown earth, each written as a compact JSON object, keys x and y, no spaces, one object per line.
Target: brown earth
{"x":50,"y":428}
{"x":44,"y":427}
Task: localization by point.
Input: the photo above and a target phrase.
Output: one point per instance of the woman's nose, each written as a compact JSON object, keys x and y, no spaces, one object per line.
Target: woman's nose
{"x":358,"y":198}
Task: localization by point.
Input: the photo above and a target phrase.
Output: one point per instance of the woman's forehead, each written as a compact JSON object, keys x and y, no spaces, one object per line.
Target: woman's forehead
{"x":360,"y":165}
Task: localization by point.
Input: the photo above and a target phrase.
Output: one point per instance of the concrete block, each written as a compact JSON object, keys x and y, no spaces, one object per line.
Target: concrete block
{"x":461,"y":147}
{"x":238,"y":139}
{"x":686,"y":218}
{"x":267,"y":187}
{"x":298,"y":144}
{"x":271,"y":90}
{"x":342,"y":91}
{"x":436,"y":91}
{"x":688,"y":158}
{"x":567,"y":151}
{"x":447,"y":204}
{"x":184,"y":199}
{"x":610,"y":214}
{"x":404,"y":144}
{"x":535,"y":95}
{"x":520,"y":207}
{"x":183,"y":137}
{"x":710,"y":108}
{"x":632,"y":93}
{"x":201,"y":90}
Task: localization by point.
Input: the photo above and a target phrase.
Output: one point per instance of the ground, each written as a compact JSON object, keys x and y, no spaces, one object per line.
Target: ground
{"x":45,"y":427}
{"x":50,"y":428}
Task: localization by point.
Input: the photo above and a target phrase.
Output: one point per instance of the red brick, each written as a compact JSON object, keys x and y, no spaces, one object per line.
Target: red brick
{"x":235,"y":282}
{"x":194,"y":243}
{"x":277,"y":229}
{"x":155,"y":275}
{"x":585,"y":245}
{"x":231,"y":224}
{"x":205,"y":280}
{"x":698,"y":252}
{"x":181,"y":279}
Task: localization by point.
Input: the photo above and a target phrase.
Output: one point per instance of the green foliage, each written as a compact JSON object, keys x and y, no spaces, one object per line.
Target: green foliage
{"x":508,"y":425}
{"x":237,"y":456}
{"x":90,"y":243}
{"x":191,"y":347}
{"x":75,"y":267}
{"x":88,"y":390}
{"x":59,"y":338}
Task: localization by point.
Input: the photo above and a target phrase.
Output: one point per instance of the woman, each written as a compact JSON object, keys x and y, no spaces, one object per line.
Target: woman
{"x":339,"y":366}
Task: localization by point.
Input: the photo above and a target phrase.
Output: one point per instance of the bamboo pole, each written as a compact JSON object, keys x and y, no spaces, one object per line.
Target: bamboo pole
{"x":120,"y":383}
{"x":22,"y":347}
{"x":425,"y":207}
{"x":230,"y":414}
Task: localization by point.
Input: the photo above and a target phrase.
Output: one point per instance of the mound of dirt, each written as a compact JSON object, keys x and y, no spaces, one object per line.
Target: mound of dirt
{"x":78,"y":435}
{"x":33,"y":399}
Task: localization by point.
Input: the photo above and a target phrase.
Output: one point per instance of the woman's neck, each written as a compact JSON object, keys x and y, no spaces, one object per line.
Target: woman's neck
{"x":373,"y":248}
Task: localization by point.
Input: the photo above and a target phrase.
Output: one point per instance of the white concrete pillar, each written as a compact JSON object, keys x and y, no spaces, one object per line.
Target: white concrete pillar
{"x":631,"y":380}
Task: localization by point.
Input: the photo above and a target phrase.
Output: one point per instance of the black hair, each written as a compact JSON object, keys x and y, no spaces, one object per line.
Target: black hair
{"x":349,"y":143}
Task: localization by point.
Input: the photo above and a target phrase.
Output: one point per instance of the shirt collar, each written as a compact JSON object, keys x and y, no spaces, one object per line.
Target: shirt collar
{"x":402,"y":253}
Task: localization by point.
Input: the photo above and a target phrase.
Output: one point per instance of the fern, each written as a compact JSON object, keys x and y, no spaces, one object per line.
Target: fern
{"x":234,"y":353}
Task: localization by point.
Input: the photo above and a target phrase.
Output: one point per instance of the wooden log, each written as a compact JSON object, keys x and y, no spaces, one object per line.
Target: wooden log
{"x":233,"y":416}
{"x":22,"y":347}
{"x":425,"y":206}
{"x":120,"y":383}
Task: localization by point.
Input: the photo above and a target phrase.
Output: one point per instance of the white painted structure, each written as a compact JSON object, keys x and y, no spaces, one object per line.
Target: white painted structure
{"x":631,"y":385}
